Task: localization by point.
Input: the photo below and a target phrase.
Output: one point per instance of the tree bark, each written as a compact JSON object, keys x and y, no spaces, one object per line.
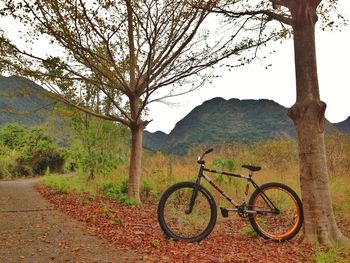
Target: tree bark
{"x":308,"y":117}
{"x":135,"y":163}
{"x":137,"y":126}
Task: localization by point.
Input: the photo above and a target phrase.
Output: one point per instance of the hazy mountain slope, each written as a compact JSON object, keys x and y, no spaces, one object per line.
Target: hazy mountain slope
{"x":343,"y":126}
{"x":219,"y":121}
{"x":23,"y":101}
{"x":215,"y":121}
{"x":154,"y":141}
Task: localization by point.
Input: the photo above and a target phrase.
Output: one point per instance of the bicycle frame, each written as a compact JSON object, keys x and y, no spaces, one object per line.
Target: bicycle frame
{"x":188,"y":211}
{"x":237,"y":206}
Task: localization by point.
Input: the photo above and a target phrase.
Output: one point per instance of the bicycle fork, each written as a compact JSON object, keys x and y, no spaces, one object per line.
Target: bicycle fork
{"x":194,"y":194}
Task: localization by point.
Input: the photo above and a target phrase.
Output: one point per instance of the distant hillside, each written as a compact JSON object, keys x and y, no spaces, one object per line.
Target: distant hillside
{"x":215,"y":121}
{"x":154,"y":141}
{"x":343,"y":126}
{"x":219,"y":121}
{"x":23,"y":101}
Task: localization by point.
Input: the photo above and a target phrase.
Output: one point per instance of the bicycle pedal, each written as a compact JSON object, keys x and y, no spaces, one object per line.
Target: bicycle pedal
{"x":224,"y":212}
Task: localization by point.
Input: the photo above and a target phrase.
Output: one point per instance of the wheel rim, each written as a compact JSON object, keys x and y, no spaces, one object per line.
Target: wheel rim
{"x":277,"y":226}
{"x":184,"y":225}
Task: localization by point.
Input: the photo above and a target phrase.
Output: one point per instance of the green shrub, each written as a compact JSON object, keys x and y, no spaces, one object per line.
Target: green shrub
{"x":333,"y":254}
{"x":40,"y":152}
{"x":117,"y":191}
{"x":12,"y":134}
{"x":148,"y":189}
{"x":58,"y":183}
{"x":32,"y":151}
{"x":99,"y":146}
{"x":5,"y":162}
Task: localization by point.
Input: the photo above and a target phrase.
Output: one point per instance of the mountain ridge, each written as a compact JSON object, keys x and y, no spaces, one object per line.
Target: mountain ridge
{"x":27,"y":103}
{"x":225,"y":121}
{"x":343,"y":126}
{"x":214,"y":121}
{"x":20,"y":98}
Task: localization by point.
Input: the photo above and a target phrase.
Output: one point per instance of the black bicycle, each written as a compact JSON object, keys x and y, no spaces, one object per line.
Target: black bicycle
{"x":187,"y":211}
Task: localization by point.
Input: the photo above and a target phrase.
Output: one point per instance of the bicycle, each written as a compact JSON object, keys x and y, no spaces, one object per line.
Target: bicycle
{"x":187,"y":211}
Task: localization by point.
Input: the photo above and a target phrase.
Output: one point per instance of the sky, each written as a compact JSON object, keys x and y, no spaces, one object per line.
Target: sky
{"x":276,"y":83}
{"x":254,"y":81}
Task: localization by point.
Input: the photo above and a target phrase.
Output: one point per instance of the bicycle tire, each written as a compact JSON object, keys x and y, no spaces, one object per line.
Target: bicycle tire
{"x":179,"y":196}
{"x":278,"y":227}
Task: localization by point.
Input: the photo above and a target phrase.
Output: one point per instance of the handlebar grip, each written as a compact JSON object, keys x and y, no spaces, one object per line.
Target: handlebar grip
{"x":209,"y":150}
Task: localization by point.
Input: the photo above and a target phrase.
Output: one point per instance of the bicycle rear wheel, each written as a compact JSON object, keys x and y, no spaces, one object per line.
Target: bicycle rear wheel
{"x":281,"y":224}
{"x":175,"y":218}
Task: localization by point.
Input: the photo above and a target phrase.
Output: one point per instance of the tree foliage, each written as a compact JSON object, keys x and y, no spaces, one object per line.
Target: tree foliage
{"x":33,"y":150}
{"x":114,"y":51}
{"x":98,"y":147}
{"x":300,"y":17}
{"x":120,"y":55}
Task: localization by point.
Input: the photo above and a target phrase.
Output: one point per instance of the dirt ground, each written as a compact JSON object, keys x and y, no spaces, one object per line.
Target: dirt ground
{"x":32,"y":231}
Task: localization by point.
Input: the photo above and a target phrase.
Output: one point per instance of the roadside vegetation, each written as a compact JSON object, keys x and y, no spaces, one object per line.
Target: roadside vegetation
{"x":96,"y":164}
{"x":28,"y":151}
{"x":278,"y":157}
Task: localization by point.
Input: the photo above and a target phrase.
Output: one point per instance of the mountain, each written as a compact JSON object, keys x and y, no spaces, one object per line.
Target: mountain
{"x":154,"y":141}
{"x":343,"y":126}
{"x":23,"y":101}
{"x":226,"y":121}
{"x":215,"y":121}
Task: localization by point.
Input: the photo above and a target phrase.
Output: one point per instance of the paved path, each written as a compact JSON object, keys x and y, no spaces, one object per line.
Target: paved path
{"x":32,"y":231}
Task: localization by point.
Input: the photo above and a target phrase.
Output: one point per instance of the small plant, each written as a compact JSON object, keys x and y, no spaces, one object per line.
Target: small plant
{"x":322,"y":256}
{"x":47,"y":172}
{"x":105,"y":211}
{"x":148,"y":189}
{"x":155,"y":243}
{"x":248,"y":230}
{"x":117,"y":191}
{"x":119,"y":222}
{"x":333,"y":254}
{"x":58,"y":183}
{"x":86,"y":200}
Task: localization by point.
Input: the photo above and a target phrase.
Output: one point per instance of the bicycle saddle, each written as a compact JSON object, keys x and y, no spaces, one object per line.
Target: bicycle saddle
{"x":251,"y":167}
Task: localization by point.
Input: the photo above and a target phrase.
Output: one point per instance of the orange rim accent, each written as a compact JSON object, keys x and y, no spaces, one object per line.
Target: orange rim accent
{"x":280,"y":236}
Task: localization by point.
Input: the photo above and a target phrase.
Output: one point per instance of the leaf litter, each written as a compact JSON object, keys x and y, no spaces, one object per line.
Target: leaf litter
{"x":138,"y":229}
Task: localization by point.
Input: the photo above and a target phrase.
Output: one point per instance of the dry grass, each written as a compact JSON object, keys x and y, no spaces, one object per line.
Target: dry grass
{"x":278,"y":158}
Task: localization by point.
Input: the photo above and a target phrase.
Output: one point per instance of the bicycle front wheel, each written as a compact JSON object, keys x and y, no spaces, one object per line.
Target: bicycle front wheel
{"x":277,"y":212}
{"x":178,"y":220}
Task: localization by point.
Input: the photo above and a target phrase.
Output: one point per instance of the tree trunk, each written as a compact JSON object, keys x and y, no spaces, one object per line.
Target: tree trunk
{"x":308,"y":117}
{"x":135,"y":163}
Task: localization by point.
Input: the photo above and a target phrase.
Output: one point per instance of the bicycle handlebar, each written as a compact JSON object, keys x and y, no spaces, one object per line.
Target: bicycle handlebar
{"x":200,"y":158}
{"x":209,"y":150}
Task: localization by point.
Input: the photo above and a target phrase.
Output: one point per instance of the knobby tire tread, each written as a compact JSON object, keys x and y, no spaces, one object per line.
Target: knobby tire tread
{"x":162,"y":203}
{"x":299,"y":204}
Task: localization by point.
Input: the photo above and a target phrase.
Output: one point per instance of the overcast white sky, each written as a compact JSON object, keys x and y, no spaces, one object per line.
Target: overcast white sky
{"x":276,"y":83}
{"x":255,"y":82}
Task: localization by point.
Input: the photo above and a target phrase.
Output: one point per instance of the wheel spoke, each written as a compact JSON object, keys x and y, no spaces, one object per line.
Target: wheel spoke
{"x":278,"y":226}
{"x":181,"y":224}
{"x":186,"y":224}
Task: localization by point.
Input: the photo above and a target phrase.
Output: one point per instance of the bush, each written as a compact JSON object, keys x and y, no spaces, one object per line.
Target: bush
{"x":58,"y":183}
{"x":148,"y":189}
{"x":99,"y":146}
{"x":117,"y":191}
{"x":12,"y":134}
{"x":32,"y":151}
{"x":6,"y":161}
